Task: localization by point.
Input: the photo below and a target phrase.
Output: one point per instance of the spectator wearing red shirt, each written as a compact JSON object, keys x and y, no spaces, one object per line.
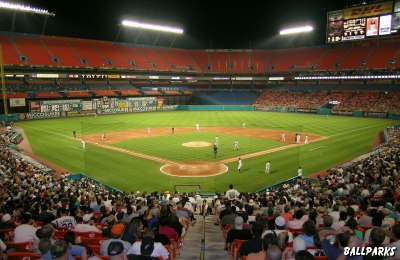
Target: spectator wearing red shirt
{"x":166,"y":230}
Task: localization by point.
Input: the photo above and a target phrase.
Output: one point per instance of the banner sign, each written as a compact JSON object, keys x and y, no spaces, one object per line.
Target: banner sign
{"x":17,"y":102}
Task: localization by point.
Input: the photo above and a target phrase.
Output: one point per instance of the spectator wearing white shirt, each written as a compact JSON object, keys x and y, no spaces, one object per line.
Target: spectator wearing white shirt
{"x":25,"y":232}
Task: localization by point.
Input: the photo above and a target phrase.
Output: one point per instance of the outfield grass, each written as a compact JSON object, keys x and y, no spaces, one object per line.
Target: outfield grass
{"x":348,"y":138}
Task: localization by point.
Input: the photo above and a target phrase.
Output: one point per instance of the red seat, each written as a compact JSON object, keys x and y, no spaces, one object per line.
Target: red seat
{"x":23,"y":256}
{"x":320,"y":257}
{"x":20,"y":247}
{"x":236,"y":246}
{"x":88,"y":234}
{"x":92,"y":241}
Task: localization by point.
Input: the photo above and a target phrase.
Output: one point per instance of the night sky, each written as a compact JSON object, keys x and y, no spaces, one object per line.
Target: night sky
{"x":217,"y":24}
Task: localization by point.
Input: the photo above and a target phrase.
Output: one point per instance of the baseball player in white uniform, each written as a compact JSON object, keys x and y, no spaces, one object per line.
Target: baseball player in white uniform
{"x":243,"y":125}
{"x":306,"y":140}
{"x":103,"y":137}
{"x":148,"y":130}
{"x":300,"y":172}
{"x":267,"y":167}
{"x":240,"y":164}
{"x":83,"y":145}
{"x":297,"y":138}
{"x":197,"y":127}
{"x":236,"y":145}
{"x":216,"y":140}
{"x":283,"y":138}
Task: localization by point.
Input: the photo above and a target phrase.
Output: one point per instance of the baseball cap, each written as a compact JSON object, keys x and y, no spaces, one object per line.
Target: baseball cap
{"x":115,"y":248}
{"x":59,"y":248}
{"x":117,"y":230}
{"x":238,"y":222}
{"x":147,"y":246}
{"x":280,"y":221}
{"x":6,"y":218}
{"x":87,"y":217}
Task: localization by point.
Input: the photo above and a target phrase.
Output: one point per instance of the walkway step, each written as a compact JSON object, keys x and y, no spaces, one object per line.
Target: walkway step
{"x":214,"y":244}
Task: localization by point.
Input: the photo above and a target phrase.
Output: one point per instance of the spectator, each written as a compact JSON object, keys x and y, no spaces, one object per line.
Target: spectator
{"x":26,"y":232}
{"x":255,"y":244}
{"x":237,"y":232}
{"x":88,"y":224}
{"x":155,"y":249}
{"x":116,"y":232}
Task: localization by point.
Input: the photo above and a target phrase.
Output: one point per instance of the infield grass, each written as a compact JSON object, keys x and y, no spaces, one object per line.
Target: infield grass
{"x":348,"y":137}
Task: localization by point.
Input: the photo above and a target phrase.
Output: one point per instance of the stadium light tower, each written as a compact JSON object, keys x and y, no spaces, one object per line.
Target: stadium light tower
{"x":294,"y":30}
{"x":14,"y":7}
{"x":152,"y":27}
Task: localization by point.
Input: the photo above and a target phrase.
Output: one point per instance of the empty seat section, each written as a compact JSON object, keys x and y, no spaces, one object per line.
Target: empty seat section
{"x":104,"y":93}
{"x":151,"y":93}
{"x":153,"y":58}
{"x":274,"y":59}
{"x":201,"y":59}
{"x":133,"y":56}
{"x":183,"y":56}
{"x":129,"y":92}
{"x":353,"y":59}
{"x":312,"y":57}
{"x":10,"y":53}
{"x":240,"y":62}
{"x":381,"y":55}
{"x":259,"y":60}
{"x":332,"y":57}
{"x":290,"y":60}
{"x":78,"y":94}
{"x":171,"y":92}
{"x":115,"y":55}
{"x":60,"y":48}
{"x":32,"y":48}
{"x":47,"y":95}
{"x":86,"y":49}
{"x":219,"y":61}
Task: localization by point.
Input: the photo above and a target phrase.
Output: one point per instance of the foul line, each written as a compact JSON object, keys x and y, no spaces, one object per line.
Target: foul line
{"x":316,"y":148}
{"x":358,"y":129}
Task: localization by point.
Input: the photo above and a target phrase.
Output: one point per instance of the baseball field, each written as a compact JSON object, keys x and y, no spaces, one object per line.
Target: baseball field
{"x":132,"y":159}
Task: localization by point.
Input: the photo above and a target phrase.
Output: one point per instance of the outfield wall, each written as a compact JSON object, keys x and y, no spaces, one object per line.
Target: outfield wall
{"x":127,"y":110}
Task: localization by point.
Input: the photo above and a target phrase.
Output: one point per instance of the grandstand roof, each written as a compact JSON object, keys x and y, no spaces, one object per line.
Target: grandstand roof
{"x":228,"y":24}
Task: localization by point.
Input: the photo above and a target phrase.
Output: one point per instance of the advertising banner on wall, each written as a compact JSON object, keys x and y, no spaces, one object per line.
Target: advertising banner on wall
{"x":17,"y":102}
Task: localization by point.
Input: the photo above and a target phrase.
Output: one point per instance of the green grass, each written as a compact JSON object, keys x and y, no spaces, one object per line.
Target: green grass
{"x":170,"y":147}
{"x":348,"y":138}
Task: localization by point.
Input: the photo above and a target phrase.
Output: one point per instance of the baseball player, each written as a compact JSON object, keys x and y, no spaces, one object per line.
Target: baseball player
{"x":300,"y":172}
{"x":103,"y":137}
{"x":297,"y":138}
{"x":197,"y":127}
{"x":216,"y":140}
{"x":236,"y":145}
{"x":243,"y":125}
{"x":240,"y":164}
{"x":148,"y":130}
{"x":173,"y":130}
{"x":283,"y":138}
{"x":267,"y":167}
{"x":74,"y":134}
{"x":83,"y":145}
{"x":215,"y":148}
{"x":306,"y":140}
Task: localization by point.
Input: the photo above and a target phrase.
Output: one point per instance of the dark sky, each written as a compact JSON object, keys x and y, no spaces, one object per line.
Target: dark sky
{"x":218,"y":24}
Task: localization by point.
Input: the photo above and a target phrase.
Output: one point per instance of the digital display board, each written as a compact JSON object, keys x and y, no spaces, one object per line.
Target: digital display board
{"x":363,"y":22}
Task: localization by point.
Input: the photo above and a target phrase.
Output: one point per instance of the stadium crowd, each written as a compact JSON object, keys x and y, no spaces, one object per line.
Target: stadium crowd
{"x":42,"y":213}
{"x":354,"y":205}
{"x":378,"y":101}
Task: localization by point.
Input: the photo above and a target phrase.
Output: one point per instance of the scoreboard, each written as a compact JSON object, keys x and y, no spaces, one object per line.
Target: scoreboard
{"x":364,"y":22}
{"x":56,"y":105}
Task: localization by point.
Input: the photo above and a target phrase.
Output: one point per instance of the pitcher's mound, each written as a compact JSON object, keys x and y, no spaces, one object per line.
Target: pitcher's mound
{"x":196,"y":144}
{"x":194,"y":169}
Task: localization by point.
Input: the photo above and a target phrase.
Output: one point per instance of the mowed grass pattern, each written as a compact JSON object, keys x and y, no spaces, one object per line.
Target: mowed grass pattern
{"x":348,"y":138}
{"x":171,"y":146}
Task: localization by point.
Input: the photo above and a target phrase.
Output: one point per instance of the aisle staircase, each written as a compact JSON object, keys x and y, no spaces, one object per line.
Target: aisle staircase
{"x":213,"y":242}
